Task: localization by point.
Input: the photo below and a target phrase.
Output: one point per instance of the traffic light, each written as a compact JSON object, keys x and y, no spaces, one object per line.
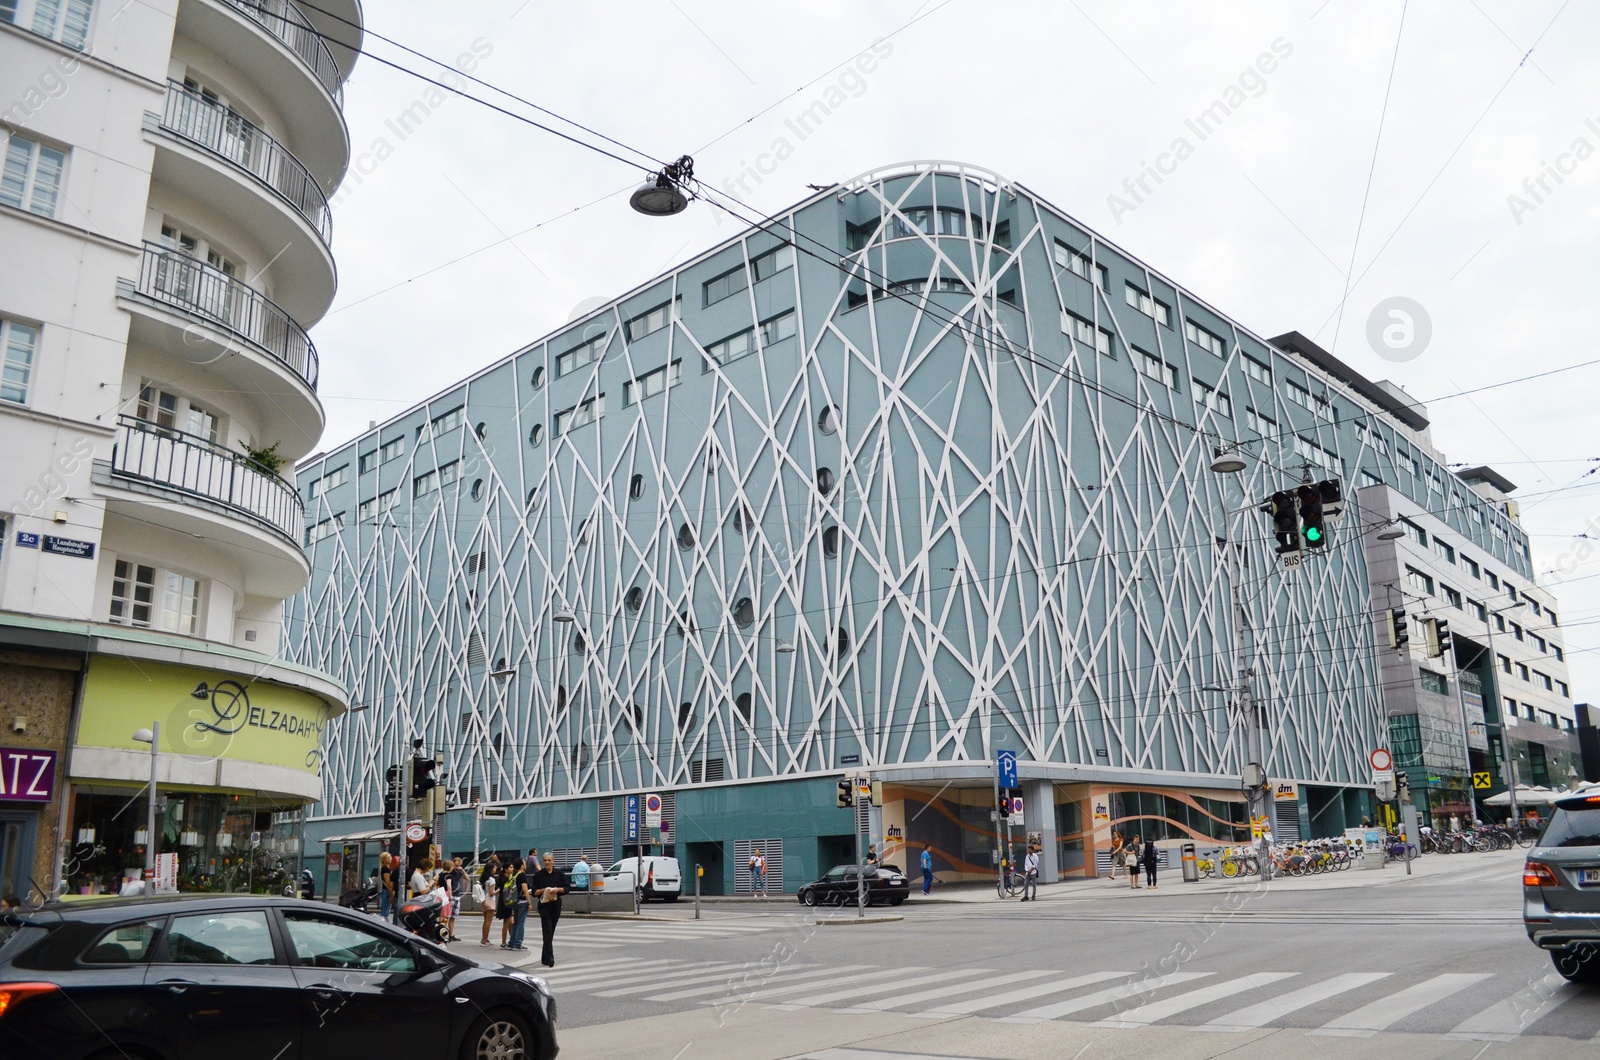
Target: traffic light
{"x":1402,"y":786}
{"x":1399,"y":636}
{"x":845,"y":795}
{"x":1311,"y":514}
{"x":1438,"y":637}
{"x":422,"y":780}
{"x":1285,"y":523}
{"x":1332,"y":497}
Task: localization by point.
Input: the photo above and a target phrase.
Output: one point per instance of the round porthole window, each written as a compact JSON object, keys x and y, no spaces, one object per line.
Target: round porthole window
{"x":828,"y":420}
{"x":745,"y":704}
{"x":634,"y":600}
{"x":841,"y":644}
{"x":825,"y":481}
{"x":744,"y":612}
{"x":482,"y":429}
{"x":536,"y":435}
{"x":636,"y":487}
{"x":830,"y":542}
{"x":538,"y":377}
{"x":477,"y":489}
{"x":686,"y":537}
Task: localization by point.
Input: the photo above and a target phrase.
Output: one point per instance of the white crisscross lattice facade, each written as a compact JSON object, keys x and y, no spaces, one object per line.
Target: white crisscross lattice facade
{"x":942,"y":442}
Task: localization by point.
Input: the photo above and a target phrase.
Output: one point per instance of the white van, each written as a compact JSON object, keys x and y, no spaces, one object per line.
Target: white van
{"x":660,"y":877}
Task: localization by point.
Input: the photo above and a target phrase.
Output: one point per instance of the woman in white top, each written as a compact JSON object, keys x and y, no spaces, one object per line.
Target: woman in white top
{"x":422,"y":878}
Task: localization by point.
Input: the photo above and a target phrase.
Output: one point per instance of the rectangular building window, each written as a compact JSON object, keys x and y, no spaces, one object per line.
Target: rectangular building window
{"x":1516,"y":631}
{"x":1414,"y":532}
{"x":1085,"y":332}
{"x":1419,"y":581}
{"x":443,"y":423}
{"x":1206,"y":340}
{"x":425,"y":483}
{"x":733,"y":347}
{"x":20,"y":342}
{"x":1314,"y":454}
{"x":1435,"y":683}
{"x":326,"y":528}
{"x":651,"y":383}
{"x":1210,"y":398}
{"x":580,"y":415}
{"x":1154,"y":367}
{"x":1539,"y":642}
{"x":1522,"y":671}
{"x":389,"y":450}
{"x":337,"y":477}
{"x":579,"y":356}
{"x":1451,"y":595}
{"x":1544,"y":679}
{"x":1561,"y":687}
{"x":1445,"y":551}
{"x":133,"y":593}
{"x":778,"y":328}
{"x":1479,"y":610}
{"x":32,"y":174}
{"x":1493,"y":579}
{"x":368,"y":461}
{"x":1369,"y":479}
{"x":650,"y":321}
{"x":1505,"y":664}
{"x":66,"y":21}
{"x":1257,"y":371}
{"x":1472,"y":567}
{"x":1555,"y":649}
{"x":149,"y":597}
{"x":1265,"y":426}
{"x":766,"y":266}
{"x":1150,"y":307}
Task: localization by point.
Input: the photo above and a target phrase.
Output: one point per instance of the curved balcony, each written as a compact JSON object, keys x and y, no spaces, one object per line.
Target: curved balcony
{"x":274,"y":45}
{"x":290,"y":25}
{"x":199,"y":316}
{"x":200,"y":469}
{"x":222,"y":132}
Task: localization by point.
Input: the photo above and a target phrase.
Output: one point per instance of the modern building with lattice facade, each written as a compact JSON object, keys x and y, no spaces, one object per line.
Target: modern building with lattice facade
{"x":916,"y":472}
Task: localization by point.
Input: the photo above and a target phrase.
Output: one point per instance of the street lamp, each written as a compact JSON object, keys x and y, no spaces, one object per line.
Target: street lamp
{"x":661,"y":194}
{"x":1227,"y":460}
{"x":564,"y":615}
{"x":151,"y":736}
{"x":785,"y":647}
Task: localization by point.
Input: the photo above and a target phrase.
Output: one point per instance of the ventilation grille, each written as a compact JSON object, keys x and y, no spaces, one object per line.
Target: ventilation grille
{"x":707,"y":772}
{"x":771,"y":849}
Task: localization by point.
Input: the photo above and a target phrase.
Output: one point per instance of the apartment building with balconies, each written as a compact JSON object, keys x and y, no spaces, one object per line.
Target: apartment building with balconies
{"x":168,"y":246}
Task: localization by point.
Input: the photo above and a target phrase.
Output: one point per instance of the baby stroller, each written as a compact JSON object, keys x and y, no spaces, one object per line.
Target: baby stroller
{"x":420,"y":916}
{"x":360,"y":898}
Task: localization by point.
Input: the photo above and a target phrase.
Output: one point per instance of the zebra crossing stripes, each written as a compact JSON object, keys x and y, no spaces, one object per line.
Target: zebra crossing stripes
{"x":883,"y":987}
{"x":1508,"y":1018}
{"x":758,"y":976}
{"x":1102,"y":997}
{"x":1011,"y":997}
{"x":1259,"y":1015}
{"x":945,"y":991}
{"x":1149,"y":1013}
{"x":1387,"y":1011}
{"x":694,"y":976}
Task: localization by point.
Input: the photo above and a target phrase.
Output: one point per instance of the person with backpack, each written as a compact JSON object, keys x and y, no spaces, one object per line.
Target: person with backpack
{"x":1149,"y":859}
{"x":506,"y":900}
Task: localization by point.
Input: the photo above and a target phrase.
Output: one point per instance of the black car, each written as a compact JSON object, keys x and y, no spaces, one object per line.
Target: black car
{"x":885,"y":883}
{"x":247,"y":977}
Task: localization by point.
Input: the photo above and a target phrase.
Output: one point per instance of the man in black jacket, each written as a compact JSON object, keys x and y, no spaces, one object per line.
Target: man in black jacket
{"x":547,"y":886}
{"x":1149,"y":859}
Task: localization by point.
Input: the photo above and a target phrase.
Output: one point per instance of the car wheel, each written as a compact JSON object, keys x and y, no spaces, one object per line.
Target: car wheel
{"x":808,"y":898}
{"x":896,"y":901}
{"x":500,"y":1035}
{"x":639,"y":896}
{"x":1580,"y":965}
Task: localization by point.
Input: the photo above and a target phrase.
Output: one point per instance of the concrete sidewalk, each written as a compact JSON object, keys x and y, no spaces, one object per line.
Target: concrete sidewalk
{"x":1434,"y":867}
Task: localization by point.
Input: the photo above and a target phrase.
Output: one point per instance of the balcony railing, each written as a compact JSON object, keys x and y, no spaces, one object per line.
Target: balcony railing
{"x":289,"y":24}
{"x":202,"y":290}
{"x":222,"y":132}
{"x":186,"y":463}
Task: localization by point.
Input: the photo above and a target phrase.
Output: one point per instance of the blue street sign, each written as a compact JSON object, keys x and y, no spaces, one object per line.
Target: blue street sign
{"x":633,"y":819}
{"x":1005,"y":764}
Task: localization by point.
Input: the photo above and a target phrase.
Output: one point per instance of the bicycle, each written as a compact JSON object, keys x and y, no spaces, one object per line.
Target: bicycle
{"x":1009,"y":885}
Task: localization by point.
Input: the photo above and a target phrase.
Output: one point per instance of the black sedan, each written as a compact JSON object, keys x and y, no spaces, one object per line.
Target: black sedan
{"x":248,"y":977}
{"x":884,"y":883}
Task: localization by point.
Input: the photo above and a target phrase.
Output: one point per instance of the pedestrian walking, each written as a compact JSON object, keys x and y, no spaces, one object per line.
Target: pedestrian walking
{"x":1030,"y":875}
{"x":520,"y":899}
{"x":1130,"y":856}
{"x":1119,"y":855}
{"x":547,"y":886}
{"x":758,"y":874}
{"x":506,"y":899}
{"x":457,"y":886}
{"x":580,"y":874}
{"x":489,"y":882}
{"x":530,"y":864}
{"x":927,"y":869}
{"x":1149,"y":859}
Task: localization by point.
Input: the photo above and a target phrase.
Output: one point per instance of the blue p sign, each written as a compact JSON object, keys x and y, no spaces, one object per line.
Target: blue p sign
{"x":633,"y":819}
{"x":1005,"y":766}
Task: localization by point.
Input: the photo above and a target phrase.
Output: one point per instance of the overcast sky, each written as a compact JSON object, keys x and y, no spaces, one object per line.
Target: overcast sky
{"x":473,"y":233}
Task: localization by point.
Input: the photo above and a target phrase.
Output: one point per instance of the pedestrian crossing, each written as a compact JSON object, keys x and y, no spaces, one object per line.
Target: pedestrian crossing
{"x":578,"y":937}
{"x":1466,"y":1006}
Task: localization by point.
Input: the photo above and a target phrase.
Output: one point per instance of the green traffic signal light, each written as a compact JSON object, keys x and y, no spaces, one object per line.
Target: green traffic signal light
{"x":1313,"y":534}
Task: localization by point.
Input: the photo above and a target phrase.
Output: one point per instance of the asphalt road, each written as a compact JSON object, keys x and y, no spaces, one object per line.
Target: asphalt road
{"x":1436,"y":965}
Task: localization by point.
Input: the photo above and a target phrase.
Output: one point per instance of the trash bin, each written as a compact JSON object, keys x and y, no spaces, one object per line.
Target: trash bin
{"x":1191,"y":867}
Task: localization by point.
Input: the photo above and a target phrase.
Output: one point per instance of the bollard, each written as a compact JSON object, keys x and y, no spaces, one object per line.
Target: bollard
{"x":698,"y":872}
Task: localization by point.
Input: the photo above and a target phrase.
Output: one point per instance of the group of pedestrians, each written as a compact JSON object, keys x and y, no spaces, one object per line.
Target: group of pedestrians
{"x":1130,"y":856}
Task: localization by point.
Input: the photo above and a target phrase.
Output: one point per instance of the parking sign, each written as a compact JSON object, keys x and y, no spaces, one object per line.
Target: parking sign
{"x":633,"y":819}
{"x":652,"y":811}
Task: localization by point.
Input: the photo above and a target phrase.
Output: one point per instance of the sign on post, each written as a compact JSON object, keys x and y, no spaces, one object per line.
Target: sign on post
{"x":1481,"y":781}
{"x":633,"y":819}
{"x":493,"y":813}
{"x":652,"y":811}
{"x":1016,"y":807}
{"x":1005,"y":766}
{"x":1382,"y":761}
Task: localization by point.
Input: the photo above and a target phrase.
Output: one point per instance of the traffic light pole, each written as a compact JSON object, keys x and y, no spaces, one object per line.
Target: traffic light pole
{"x":1259,"y":804}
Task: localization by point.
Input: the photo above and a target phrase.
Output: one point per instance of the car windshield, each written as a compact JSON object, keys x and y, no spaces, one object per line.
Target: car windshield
{"x":1572,"y":828}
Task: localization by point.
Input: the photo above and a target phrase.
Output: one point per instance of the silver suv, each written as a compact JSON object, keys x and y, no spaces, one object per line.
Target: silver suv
{"x":1561,"y":888}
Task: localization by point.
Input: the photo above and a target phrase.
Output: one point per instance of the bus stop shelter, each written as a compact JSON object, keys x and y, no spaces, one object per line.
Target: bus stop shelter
{"x":347,"y":855}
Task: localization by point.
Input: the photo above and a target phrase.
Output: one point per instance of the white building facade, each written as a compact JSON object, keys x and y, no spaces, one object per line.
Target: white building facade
{"x":168,"y":245}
